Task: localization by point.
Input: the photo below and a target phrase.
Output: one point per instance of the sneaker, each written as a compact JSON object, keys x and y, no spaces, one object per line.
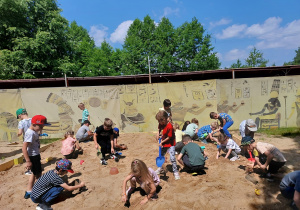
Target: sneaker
{"x":27,"y":195}
{"x":234,"y":158}
{"x":176,"y":175}
{"x":271,"y":179}
{"x":158,"y":170}
{"x":112,"y":156}
{"x":28,"y":172}
{"x":103,"y":162}
{"x":43,"y":206}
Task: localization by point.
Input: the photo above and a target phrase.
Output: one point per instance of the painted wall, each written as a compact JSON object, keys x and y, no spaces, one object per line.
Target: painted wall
{"x":271,"y":102}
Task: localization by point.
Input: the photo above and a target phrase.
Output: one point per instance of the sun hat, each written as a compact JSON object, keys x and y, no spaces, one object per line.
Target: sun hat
{"x":116,"y":129}
{"x":20,"y":111}
{"x":65,"y":165}
{"x":251,"y":125}
{"x":39,"y":120}
{"x":245,"y":143}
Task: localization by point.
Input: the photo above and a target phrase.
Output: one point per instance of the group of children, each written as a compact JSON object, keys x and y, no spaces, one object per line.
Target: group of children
{"x":171,"y":139}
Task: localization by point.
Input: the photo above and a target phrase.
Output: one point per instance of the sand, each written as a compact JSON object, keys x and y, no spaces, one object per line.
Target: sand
{"x":222,"y":187}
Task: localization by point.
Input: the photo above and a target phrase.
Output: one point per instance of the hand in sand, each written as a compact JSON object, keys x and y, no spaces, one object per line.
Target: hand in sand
{"x":145,"y":200}
{"x":124,"y":198}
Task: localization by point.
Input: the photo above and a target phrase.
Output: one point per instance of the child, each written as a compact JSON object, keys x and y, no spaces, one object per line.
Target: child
{"x":290,"y":187}
{"x":84,"y":133}
{"x":167,"y":107}
{"x":268,"y":157}
{"x":25,"y":122}
{"x":50,"y":185}
{"x":192,"y":129}
{"x":167,"y":140}
{"x":191,"y":155}
{"x":178,"y":138}
{"x":209,"y":130}
{"x":229,"y":147}
{"x":225,"y":121}
{"x":116,"y":145}
{"x":85,"y":113}
{"x":145,"y":177}
{"x":104,"y":136}
{"x":69,"y":145}
{"x":186,"y":123}
{"x":31,"y":150}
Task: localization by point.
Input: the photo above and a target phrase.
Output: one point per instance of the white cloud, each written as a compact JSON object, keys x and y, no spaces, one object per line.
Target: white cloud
{"x":99,"y":33}
{"x":169,"y":11}
{"x":267,"y":35}
{"x":232,"y":31}
{"x":235,"y":54}
{"x":223,"y":21}
{"x":120,"y":33}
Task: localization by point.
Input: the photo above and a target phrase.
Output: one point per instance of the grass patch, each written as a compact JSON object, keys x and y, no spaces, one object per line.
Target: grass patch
{"x":48,"y":141}
{"x":287,"y":132}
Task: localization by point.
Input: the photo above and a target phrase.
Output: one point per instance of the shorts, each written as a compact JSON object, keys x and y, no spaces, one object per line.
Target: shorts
{"x":36,"y":164}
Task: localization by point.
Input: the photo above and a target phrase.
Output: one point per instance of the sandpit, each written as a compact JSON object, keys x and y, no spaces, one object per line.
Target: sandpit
{"x":222,"y":187}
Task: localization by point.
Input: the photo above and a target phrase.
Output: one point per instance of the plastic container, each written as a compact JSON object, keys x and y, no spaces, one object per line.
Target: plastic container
{"x":49,"y":159}
{"x":113,"y":171}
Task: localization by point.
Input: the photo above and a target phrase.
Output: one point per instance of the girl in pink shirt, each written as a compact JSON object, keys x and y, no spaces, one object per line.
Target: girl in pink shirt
{"x":69,"y":145}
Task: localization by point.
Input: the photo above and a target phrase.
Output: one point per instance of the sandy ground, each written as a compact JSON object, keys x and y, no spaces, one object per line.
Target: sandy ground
{"x":222,"y":187}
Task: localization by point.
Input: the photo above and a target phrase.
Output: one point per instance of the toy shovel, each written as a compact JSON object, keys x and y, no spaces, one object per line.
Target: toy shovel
{"x":160,"y":159}
{"x":98,"y":152}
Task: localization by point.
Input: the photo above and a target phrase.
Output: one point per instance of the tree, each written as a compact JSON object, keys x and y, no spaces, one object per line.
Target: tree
{"x":194,"y":51}
{"x":296,"y":60}
{"x":237,"y":65}
{"x":256,"y":59}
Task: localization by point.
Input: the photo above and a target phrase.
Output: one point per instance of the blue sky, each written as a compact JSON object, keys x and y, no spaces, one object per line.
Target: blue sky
{"x":236,"y":26}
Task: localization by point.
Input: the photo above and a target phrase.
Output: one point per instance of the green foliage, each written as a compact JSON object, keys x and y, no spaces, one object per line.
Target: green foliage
{"x":237,"y":65}
{"x":287,"y":132}
{"x":256,"y":59}
{"x":296,"y":60}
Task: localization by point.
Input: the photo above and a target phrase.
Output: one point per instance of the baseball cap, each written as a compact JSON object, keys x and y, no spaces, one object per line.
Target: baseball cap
{"x":20,"y":111}
{"x":251,"y":125}
{"x":116,"y":129}
{"x":39,"y":120}
{"x":65,"y":165}
{"x":87,"y":121}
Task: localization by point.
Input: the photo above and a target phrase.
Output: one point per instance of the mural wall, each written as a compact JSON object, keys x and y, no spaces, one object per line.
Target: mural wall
{"x":271,"y":102}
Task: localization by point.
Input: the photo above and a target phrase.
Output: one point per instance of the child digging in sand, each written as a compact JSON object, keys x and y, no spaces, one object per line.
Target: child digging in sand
{"x":50,"y":185}
{"x":229,"y":147}
{"x":145,"y":177}
{"x":191,"y":155}
{"x":225,"y":121}
{"x":69,"y":146}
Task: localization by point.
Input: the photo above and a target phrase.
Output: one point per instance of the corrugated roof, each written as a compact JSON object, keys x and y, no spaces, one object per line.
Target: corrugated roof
{"x":155,"y":78}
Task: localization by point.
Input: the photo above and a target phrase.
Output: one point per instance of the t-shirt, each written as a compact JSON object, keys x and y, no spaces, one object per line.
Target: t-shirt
{"x":291,"y":180}
{"x":68,"y":146}
{"x":32,"y":137}
{"x":46,"y":182}
{"x":178,"y":135}
{"x":231,"y":145}
{"x":225,"y":116}
{"x":190,"y":129}
{"x":81,"y":131}
{"x":169,"y":111}
{"x":194,"y":152}
{"x":203,"y":130}
{"x":85,"y":114}
{"x":103,"y":135}
{"x":24,"y":125}
{"x":244,"y":130}
{"x":277,"y":155}
{"x":168,"y":132}
{"x":116,"y":135}
{"x":154,"y":176}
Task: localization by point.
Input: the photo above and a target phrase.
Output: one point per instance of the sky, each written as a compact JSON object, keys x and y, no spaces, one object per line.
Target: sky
{"x":236,"y":26}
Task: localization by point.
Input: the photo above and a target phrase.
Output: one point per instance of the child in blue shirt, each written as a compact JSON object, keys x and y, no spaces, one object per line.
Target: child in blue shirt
{"x":225,"y":121}
{"x":206,"y":132}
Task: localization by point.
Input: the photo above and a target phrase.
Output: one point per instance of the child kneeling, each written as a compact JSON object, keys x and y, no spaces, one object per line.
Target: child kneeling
{"x":228,"y":146}
{"x":146,"y":177}
{"x":69,"y":146}
{"x":50,"y":185}
{"x":191,"y":155}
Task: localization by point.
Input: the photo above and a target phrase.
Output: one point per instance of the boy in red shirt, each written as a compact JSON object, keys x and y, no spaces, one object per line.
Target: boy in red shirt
{"x":167,"y":135}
